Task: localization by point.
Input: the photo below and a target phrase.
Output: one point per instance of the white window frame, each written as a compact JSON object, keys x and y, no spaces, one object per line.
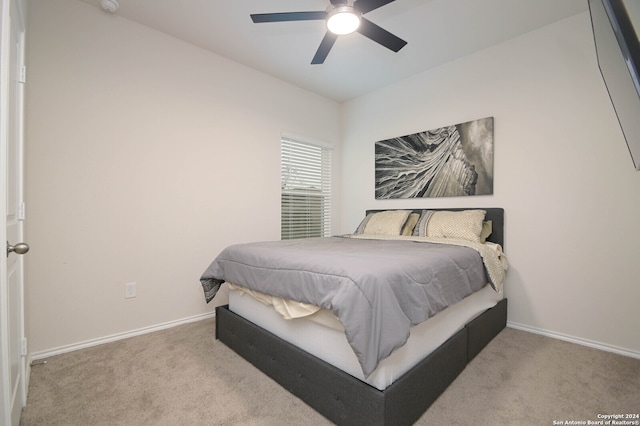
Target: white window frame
{"x":305,"y":188}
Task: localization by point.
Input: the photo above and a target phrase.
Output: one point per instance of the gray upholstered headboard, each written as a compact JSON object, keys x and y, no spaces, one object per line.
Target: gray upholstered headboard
{"x":494,"y":214}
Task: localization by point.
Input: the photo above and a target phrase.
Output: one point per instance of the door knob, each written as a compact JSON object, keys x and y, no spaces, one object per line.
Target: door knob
{"x":20,"y":248}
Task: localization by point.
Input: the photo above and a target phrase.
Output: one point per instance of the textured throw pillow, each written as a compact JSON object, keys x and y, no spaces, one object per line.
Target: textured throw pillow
{"x":388,"y":222}
{"x":420,"y":230}
{"x":410,"y":224}
{"x":487,"y":229}
{"x":465,"y":224}
{"x":363,"y":224}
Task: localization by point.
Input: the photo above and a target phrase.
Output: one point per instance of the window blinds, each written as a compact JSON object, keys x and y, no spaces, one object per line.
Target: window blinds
{"x":306,"y":190}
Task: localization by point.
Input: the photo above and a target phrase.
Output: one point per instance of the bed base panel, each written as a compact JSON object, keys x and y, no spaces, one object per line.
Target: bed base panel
{"x":327,"y":389}
{"x":485,"y":327}
{"x":344,"y":399}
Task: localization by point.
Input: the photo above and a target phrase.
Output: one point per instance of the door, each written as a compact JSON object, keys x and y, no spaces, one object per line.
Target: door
{"x":12,"y":343}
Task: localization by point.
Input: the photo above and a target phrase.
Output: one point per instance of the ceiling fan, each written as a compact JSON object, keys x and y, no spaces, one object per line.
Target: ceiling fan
{"x":342,"y":18}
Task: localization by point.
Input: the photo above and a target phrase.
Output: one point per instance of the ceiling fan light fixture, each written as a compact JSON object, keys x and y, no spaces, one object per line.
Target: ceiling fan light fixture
{"x":343,"y":20}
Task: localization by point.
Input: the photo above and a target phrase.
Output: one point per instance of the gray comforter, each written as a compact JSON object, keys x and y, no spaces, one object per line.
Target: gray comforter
{"x":377,"y":288}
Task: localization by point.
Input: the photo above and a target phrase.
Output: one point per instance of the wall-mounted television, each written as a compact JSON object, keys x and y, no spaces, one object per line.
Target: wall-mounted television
{"x":614,"y":25}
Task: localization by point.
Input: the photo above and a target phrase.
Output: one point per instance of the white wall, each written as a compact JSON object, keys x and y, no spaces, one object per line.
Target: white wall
{"x":146,"y":156}
{"x":562,"y":173}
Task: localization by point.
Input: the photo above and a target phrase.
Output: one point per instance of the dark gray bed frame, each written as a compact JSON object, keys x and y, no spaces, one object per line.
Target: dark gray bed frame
{"x":342,"y":398}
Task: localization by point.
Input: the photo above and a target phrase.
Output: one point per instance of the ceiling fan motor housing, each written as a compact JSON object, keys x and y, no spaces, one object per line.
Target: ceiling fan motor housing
{"x":109,"y":5}
{"x":352,"y":11}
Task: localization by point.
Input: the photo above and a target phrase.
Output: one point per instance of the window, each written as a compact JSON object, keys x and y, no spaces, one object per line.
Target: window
{"x":306,"y":189}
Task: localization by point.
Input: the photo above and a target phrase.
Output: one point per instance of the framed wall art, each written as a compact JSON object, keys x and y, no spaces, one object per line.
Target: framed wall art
{"x":451,"y":161}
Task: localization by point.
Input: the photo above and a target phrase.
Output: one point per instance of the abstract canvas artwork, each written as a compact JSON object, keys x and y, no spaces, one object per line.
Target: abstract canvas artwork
{"x":450,"y":161}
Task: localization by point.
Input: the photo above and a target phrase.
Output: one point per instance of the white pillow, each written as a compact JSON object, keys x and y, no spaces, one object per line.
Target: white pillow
{"x":487,"y":229}
{"x":389,"y":222}
{"x":465,"y":224}
{"x":410,"y":224}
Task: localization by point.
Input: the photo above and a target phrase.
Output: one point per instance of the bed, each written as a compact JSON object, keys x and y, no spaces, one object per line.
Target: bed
{"x":319,"y":356}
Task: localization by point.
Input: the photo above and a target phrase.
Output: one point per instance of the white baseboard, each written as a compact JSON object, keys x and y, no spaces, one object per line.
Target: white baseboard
{"x":108,"y":339}
{"x":577,"y":340}
{"x":115,"y":337}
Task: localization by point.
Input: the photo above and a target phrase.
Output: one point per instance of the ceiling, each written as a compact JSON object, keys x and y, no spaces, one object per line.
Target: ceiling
{"x":437,"y":31}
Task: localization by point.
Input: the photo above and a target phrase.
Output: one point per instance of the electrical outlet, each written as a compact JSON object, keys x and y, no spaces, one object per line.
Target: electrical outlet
{"x":129,"y":290}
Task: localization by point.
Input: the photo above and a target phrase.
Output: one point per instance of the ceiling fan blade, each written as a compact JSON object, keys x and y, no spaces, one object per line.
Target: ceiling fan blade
{"x":325,"y":46}
{"x":380,"y":35}
{"x":288,"y":16}
{"x":365,"y":6}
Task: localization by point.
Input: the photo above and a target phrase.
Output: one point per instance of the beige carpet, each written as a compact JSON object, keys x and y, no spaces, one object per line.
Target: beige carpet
{"x":183,"y":376}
